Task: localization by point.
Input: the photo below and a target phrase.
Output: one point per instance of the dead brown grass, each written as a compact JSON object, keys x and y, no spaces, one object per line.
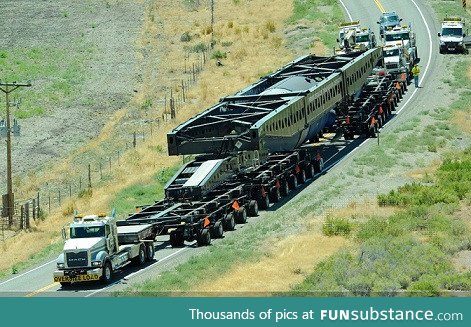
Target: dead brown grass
{"x":287,"y":264}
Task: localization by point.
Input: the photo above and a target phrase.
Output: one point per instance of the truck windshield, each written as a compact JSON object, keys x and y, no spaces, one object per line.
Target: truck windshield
{"x":87,"y":231}
{"x":390,"y":19}
{"x":362,"y":38}
{"x":397,"y":37}
{"x":391,"y":53}
{"x":447,"y":31}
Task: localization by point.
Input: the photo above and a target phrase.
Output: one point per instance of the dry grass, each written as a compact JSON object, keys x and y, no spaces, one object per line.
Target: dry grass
{"x":287,"y":264}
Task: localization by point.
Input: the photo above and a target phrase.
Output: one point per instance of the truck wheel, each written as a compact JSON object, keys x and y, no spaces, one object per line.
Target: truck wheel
{"x":240,"y":215}
{"x":302,"y":177}
{"x":229,"y":223}
{"x":150,"y":251}
{"x":293,"y":182}
{"x":264,"y":202}
{"x":107,"y":273}
{"x":253,"y":208}
{"x":275,"y":195}
{"x":65,"y":284}
{"x":176,"y":239}
{"x":284,"y":189}
{"x":217,"y":231}
{"x":310,"y":171}
{"x":204,"y":238}
{"x":141,"y":257}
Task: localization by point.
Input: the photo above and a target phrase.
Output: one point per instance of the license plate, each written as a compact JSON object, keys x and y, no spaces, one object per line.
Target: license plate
{"x":78,"y":278}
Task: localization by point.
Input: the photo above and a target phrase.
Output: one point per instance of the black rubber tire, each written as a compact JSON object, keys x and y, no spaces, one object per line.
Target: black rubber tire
{"x":65,"y":284}
{"x":240,"y":215}
{"x":302,"y":177}
{"x":217,"y":230}
{"x":275,"y":195}
{"x":150,"y":251}
{"x":204,"y":238}
{"x":293,"y":182}
{"x":264,"y":202}
{"x":176,"y":239}
{"x":107,"y":273}
{"x":252,"y":209}
{"x":310,"y":171}
{"x":229,"y":222}
{"x":141,"y":257}
{"x":284,"y":188}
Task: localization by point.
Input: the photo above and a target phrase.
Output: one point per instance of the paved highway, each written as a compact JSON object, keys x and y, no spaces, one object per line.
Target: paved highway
{"x":38,"y":281}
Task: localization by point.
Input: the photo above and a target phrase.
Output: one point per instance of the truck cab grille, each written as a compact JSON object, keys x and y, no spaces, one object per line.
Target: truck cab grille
{"x":79,"y":259}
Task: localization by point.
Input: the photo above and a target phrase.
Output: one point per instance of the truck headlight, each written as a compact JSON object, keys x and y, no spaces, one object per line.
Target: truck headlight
{"x":96,"y":263}
{"x":60,"y":265}
{"x":460,"y":43}
{"x":442,"y":43}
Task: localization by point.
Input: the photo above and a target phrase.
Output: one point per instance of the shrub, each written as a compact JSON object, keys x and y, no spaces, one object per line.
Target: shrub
{"x":336,"y":226}
{"x":218,"y":54}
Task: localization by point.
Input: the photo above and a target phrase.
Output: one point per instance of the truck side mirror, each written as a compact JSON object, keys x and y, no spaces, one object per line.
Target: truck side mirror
{"x":439,"y":35}
{"x":377,"y":22}
{"x":464,"y":34}
{"x":400,"y":20}
{"x":64,"y":234}
{"x":417,"y":60}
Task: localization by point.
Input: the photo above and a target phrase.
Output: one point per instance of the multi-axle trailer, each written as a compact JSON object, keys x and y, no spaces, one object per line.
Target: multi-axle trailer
{"x":250,"y":145}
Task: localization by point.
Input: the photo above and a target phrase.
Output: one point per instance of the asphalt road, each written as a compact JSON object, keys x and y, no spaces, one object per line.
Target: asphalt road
{"x":38,"y":281}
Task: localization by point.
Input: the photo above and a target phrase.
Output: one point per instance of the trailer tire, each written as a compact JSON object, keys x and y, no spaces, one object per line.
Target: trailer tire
{"x":264,"y":202}
{"x":240,"y":215}
{"x":107,"y":273}
{"x":150,"y":251}
{"x":302,"y":177}
{"x":217,"y":231}
{"x":275,"y":195}
{"x":229,"y":223}
{"x":293,"y":182}
{"x":284,"y":189}
{"x":252,"y":209}
{"x":141,"y":257}
{"x":204,"y":238}
{"x":176,"y":239}
{"x":310,"y":171}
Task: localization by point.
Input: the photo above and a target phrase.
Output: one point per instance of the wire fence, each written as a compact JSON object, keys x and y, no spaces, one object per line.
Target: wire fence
{"x":55,"y":193}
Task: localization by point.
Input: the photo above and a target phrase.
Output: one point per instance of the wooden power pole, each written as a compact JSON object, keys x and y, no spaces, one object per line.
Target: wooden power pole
{"x":7,"y":88}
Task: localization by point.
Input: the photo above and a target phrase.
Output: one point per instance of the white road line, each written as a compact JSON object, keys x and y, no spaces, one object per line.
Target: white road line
{"x":27,"y":272}
{"x":140,"y":271}
{"x":346,"y":10}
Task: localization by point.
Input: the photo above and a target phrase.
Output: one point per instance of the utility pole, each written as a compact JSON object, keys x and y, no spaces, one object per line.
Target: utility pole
{"x":7,"y":88}
{"x":212,"y":24}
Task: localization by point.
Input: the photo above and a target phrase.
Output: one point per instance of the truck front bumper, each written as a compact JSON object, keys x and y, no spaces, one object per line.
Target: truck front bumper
{"x":77,"y":275}
{"x":452,"y":47}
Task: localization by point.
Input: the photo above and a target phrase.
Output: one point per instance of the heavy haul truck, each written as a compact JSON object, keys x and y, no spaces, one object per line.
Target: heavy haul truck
{"x":250,"y":152}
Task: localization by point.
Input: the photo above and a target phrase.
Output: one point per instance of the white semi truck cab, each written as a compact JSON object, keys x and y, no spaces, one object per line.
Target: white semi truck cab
{"x":452,"y":35}
{"x":97,"y":246}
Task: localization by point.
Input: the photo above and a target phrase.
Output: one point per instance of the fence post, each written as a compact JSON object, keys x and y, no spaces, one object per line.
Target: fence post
{"x":22,"y":216}
{"x":134,"y":139}
{"x":89,"y":176}
{"x":38,"y":206}
{"x":26,"y":213}
{"x":33,"y":204}
{"x":49,"y":202}
{"x":70,"y":190}
{"x":59,"y":193}
{"x":101,"y":173}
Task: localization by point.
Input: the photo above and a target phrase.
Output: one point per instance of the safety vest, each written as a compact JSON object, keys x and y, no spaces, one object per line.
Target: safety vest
{"x":416,"y":71}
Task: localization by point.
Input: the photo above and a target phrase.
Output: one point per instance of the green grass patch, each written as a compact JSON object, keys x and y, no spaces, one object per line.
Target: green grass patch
{"x":56,"y":75}
{"x":142,"y":194}
{"x":336,"y":226}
